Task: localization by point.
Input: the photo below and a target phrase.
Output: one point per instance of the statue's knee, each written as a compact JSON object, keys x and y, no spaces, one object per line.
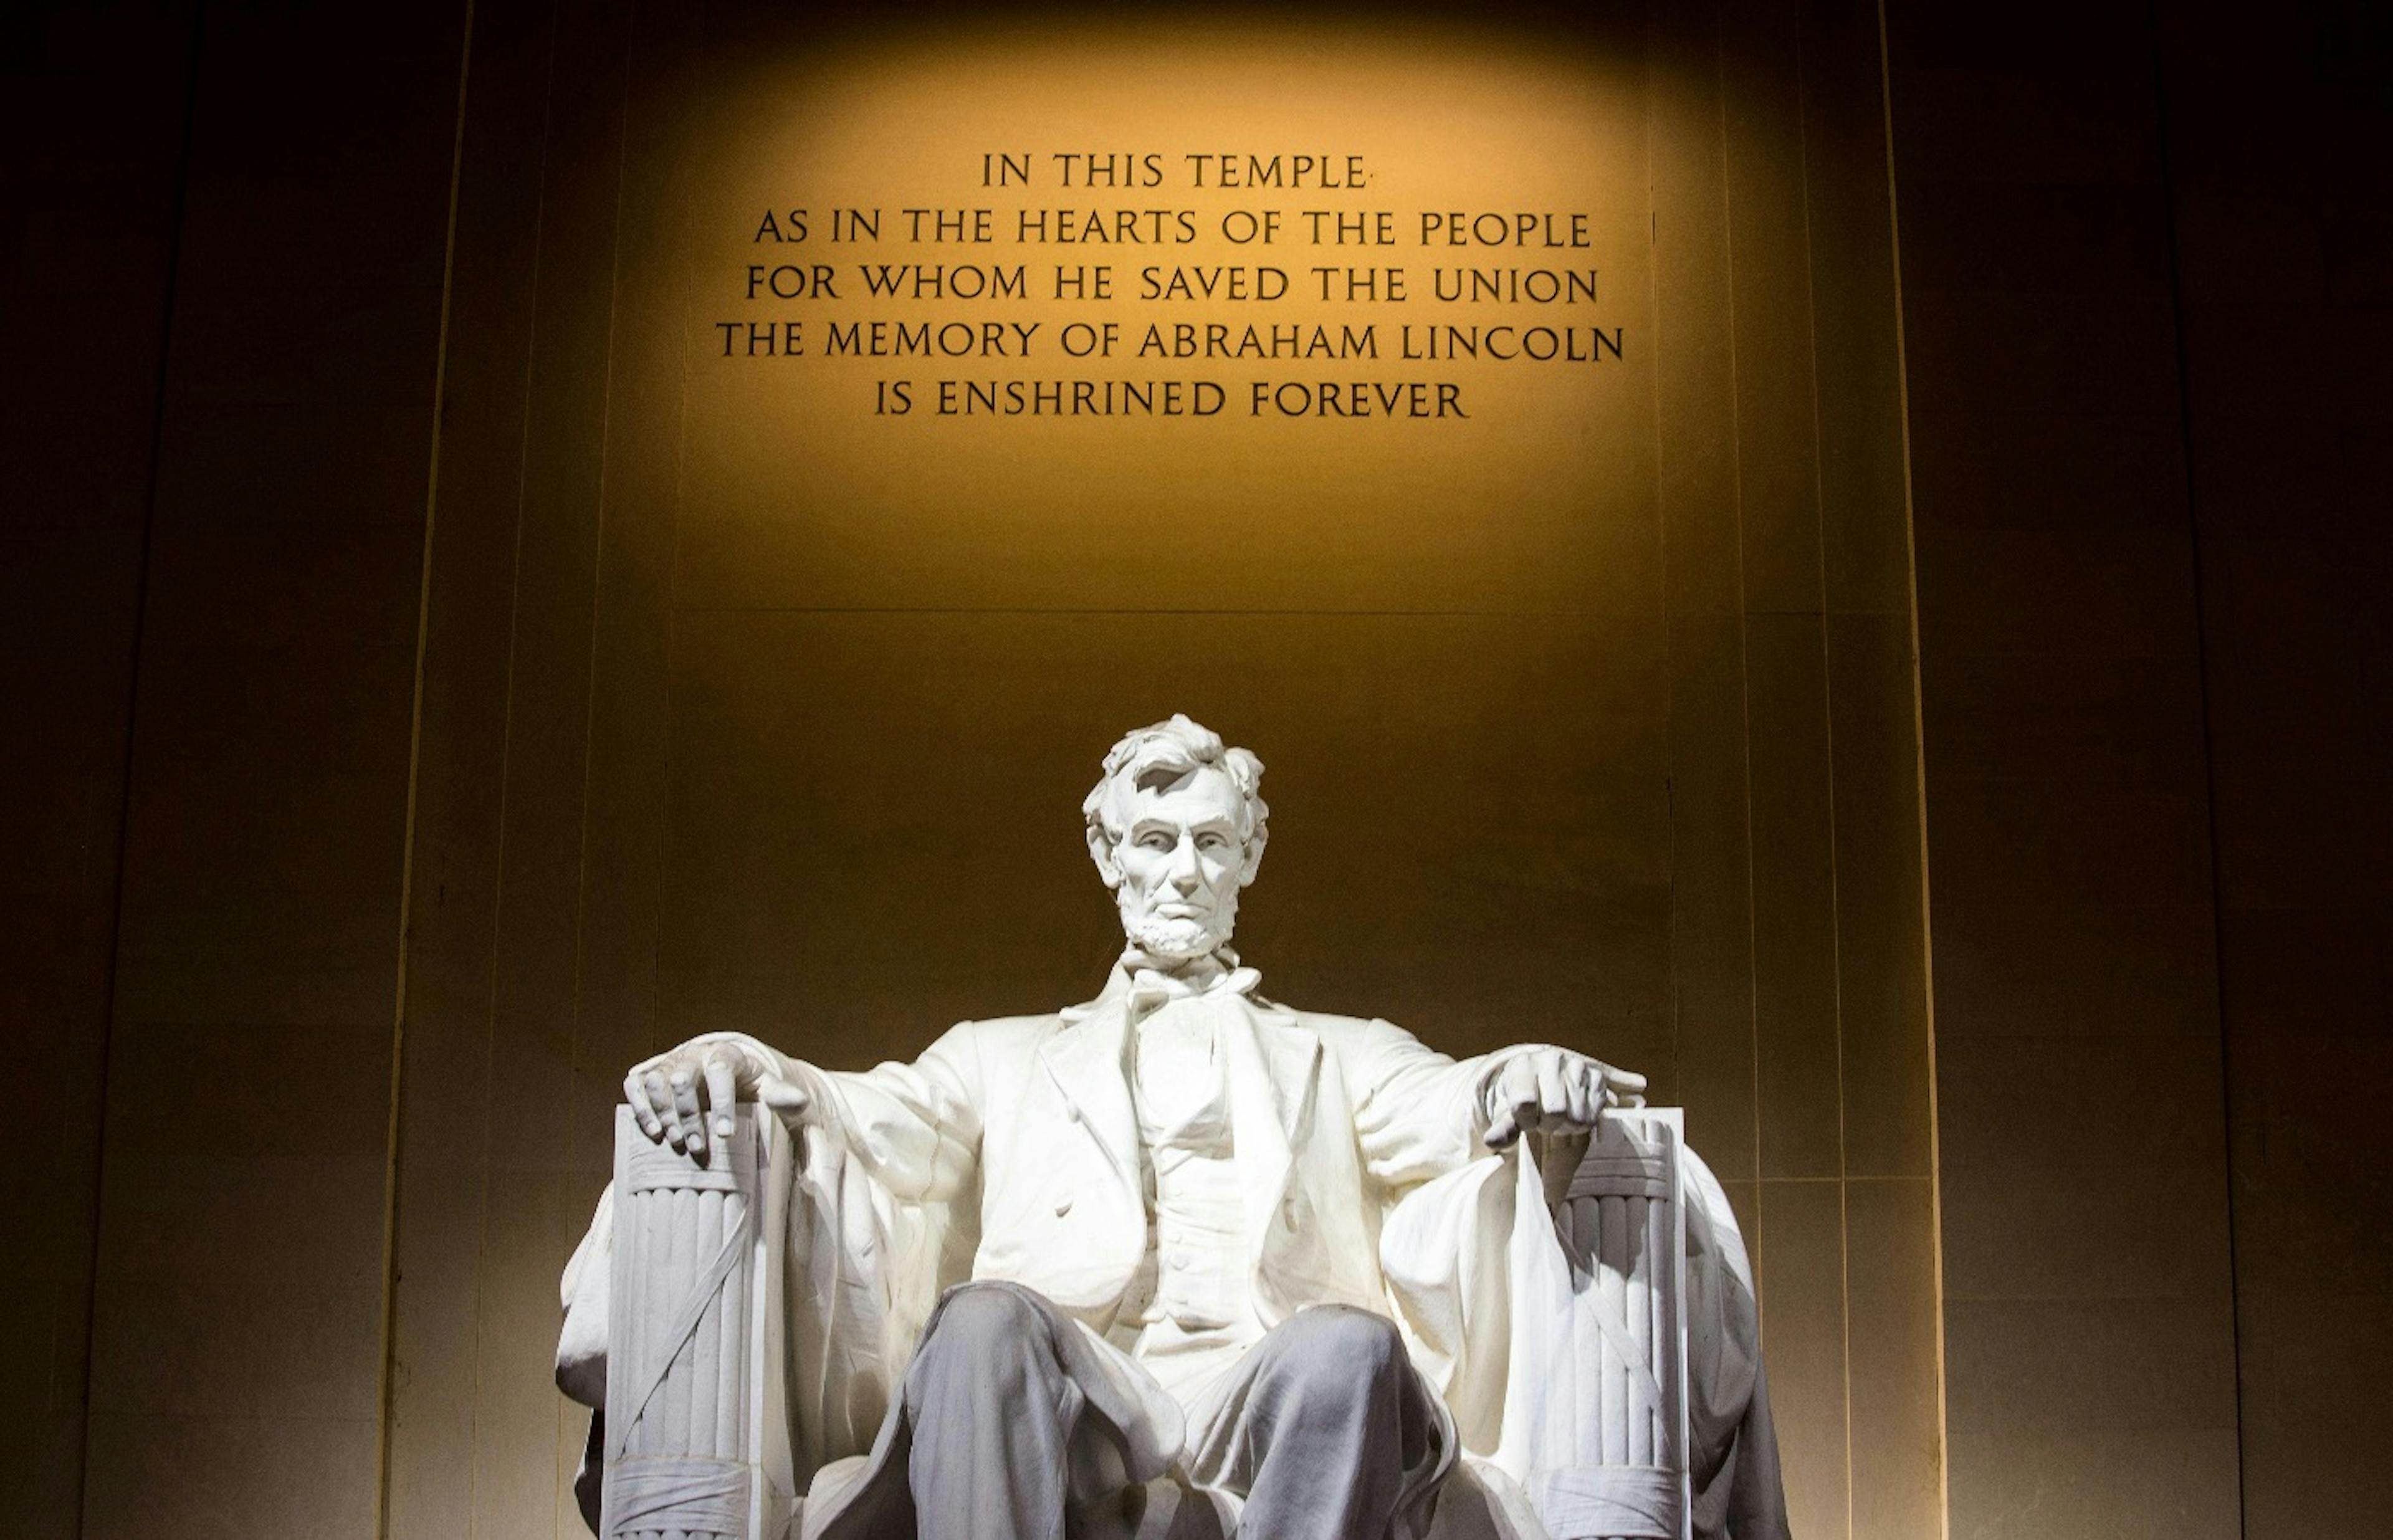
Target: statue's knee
{"x":1340,"y":1346}
{"x":985,"y":1335}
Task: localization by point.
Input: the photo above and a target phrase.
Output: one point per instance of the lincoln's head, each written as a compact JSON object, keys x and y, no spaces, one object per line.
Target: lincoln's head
{"x":1176,"y":828}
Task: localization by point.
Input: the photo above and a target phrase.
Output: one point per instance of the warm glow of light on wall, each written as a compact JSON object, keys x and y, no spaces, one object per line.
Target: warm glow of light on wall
{"x":1526,"y":482}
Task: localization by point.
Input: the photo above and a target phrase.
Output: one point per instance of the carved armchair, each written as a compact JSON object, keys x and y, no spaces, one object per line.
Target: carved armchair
{"x":698,"y":1429}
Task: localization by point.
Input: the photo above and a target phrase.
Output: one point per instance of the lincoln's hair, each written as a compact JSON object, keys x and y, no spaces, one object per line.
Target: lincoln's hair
{"x":1162,"y":755}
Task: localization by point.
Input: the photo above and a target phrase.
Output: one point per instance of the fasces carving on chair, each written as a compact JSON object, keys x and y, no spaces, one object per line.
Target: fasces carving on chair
{"x":1178,"y":1262}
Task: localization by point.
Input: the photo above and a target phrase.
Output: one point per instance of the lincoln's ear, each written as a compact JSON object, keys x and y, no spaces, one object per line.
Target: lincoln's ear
{"x":1253,"y":861}
{"x":1101,"y":851}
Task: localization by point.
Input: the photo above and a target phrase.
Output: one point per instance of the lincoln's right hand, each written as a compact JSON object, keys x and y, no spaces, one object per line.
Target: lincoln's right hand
{"x":676,"y":1094}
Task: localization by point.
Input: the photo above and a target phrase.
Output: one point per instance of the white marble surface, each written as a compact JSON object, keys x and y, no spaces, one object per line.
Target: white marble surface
{"x":1368,"y":1169}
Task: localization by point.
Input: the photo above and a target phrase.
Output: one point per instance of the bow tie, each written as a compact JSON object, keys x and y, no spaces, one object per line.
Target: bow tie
{"x":1150,"y":989}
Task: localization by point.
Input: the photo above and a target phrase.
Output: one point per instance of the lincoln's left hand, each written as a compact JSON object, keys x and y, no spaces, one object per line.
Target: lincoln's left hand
{"x":1553,"y":1089}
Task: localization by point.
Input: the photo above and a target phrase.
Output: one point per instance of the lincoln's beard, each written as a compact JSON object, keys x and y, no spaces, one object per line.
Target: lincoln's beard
{"x":1179,"y":940}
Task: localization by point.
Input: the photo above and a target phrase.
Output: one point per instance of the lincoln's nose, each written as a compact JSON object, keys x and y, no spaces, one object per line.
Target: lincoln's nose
{"x":1184,"y":875}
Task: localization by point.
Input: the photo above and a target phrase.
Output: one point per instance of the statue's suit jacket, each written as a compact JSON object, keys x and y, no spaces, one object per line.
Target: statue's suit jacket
{"x":1332,"y":1119}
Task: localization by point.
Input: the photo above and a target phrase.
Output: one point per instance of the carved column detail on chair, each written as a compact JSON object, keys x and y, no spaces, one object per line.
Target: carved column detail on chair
{"x":697,"y":1442}
{"x":1604,"y":1438}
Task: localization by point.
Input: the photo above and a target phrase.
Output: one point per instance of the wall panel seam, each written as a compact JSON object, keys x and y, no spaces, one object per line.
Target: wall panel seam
{"x":1828,"y":741}
{"x":1744,"y":666}
{"x":385,"y":1367}
{"x":2209,"y":747}
{"x":172,"y":278}
{"x":506,"y":754}
{"x":1919,"y":781}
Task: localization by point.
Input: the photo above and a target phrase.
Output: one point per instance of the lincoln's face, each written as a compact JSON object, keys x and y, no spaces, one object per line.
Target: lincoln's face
{"x":1182,"y":860}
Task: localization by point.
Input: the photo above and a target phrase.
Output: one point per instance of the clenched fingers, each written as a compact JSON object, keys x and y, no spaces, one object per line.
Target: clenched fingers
{"x":1583,"y":1088}
{"x":1553,"y":1095}
{"x":1516,"y":1099}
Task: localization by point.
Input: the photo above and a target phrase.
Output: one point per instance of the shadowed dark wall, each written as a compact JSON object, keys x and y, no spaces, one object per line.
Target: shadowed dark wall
{"x":225,"y":259}
{"x":2146,"y":339}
